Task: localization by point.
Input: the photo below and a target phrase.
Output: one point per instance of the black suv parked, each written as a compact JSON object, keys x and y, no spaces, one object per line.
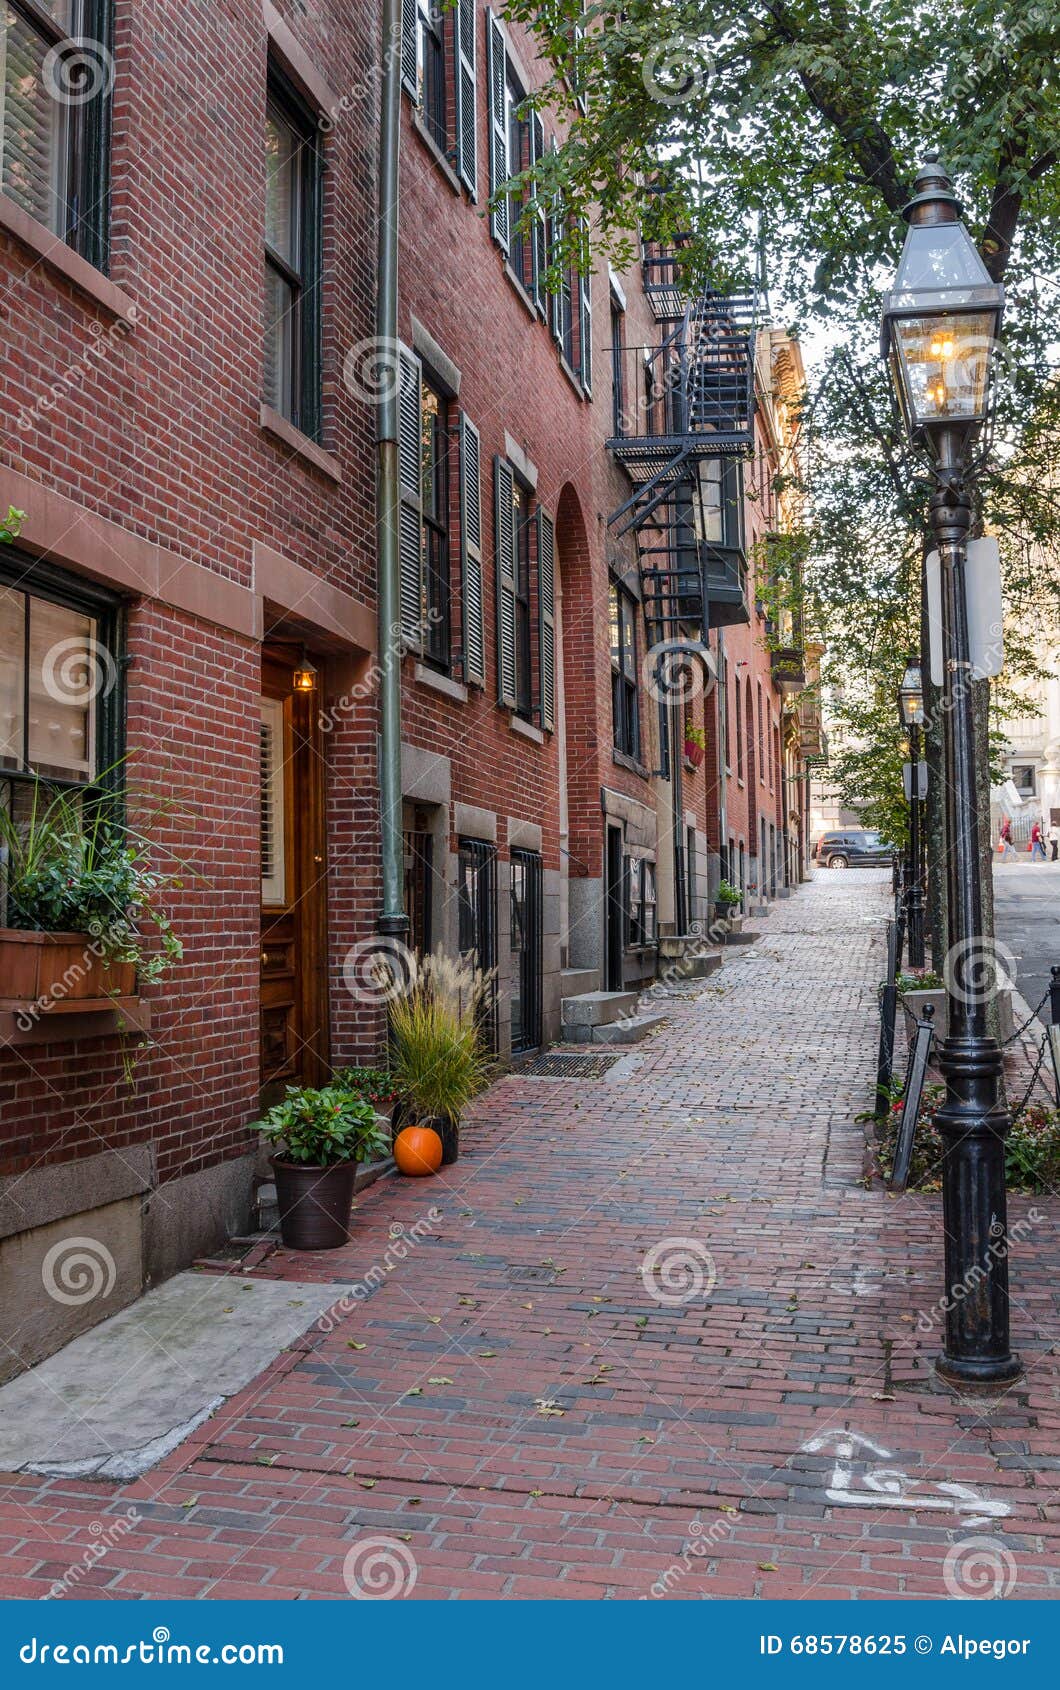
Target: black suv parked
{"x":855,"y":847}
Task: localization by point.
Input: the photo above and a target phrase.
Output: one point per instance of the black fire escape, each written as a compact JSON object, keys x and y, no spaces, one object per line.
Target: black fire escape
{"x":683,"y":423}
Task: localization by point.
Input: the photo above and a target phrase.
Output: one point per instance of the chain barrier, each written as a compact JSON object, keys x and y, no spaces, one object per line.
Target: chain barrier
{"x":1037,"y":1075}
{"x":1033,"y":1016}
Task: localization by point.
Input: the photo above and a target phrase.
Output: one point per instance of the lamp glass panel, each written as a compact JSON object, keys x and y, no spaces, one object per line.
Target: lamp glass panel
{"x":940,"y":255}
{"x":912,"y":706}
{"x":943,"y":364}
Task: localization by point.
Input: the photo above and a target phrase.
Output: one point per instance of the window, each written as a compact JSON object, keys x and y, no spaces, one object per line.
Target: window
{"x":739,"y":729}
{"x":719,"y":503}
{"x":57,"y":74}
{"x":419,"y":867}
{"x":430,"y":70}
{"x":60,"y":683}
{"x":526,"y":592}
{"x":526,"y":893}
{"x":476,"y":888}
{"x":723,"y":706}
{"x":524,"y":677}
{"x":436,"y":618}
{"x":642,"y":923}
{"x":625,"y":713}
{"x":439,"y":52}
{"x":572,"y":303}
{"x":618,"y":331}
{"x":517,"y":128}
{"x":761,"y":738}
{"x":292,"y":260}
{"x":1023,"y":777}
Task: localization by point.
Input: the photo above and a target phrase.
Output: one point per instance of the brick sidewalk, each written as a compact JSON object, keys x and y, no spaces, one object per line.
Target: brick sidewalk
{"x":511,"y":1411}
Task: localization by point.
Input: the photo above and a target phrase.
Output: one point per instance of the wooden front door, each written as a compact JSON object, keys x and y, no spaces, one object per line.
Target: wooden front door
{"x":294,"y":1003}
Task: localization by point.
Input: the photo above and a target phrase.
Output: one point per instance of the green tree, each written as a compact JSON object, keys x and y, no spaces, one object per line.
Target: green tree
{"x":792,"y":129}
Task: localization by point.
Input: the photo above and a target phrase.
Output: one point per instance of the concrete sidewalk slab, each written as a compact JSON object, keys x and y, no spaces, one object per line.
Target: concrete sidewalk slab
{"x":115,"y":1401}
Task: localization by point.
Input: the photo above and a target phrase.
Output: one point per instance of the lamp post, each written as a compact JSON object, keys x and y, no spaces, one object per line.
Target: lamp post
{"x":911,"y":715}
{"x":939,"y":334}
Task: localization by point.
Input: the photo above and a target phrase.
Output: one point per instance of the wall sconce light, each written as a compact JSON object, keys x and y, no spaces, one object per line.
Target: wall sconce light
{"x":305,"y":676}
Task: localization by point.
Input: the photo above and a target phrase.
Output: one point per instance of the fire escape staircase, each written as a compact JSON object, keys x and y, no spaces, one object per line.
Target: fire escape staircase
{"x":687,"y":399}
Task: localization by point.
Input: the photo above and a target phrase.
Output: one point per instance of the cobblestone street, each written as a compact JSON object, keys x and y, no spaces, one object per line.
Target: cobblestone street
{"x":662,"y":1340}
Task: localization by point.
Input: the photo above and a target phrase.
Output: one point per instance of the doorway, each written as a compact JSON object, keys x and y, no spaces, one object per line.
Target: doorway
{"x":526,"y":951}
{"x":293,"y":988}
{"x":477,"y":917}
{"x":615,"y":903}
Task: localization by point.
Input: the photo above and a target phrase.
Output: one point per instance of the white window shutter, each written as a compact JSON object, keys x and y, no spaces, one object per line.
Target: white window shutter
{"x":466,"y":82}
{"x":504,"y":522}
{"x":472,"y":607}
{"x":496,"y":78}
{"x":546,"y":603}
{"x":410,"y":469}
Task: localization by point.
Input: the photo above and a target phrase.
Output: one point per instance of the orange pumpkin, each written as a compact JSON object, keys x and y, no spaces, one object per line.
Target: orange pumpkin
{"x":418,"y":1151}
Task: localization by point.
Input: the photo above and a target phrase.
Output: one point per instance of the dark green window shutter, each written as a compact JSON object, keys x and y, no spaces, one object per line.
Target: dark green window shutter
{"x":504,"y":524}
{"x":539,"y":232}
{"x":495,"y":85}
{"x":410,"y":429}
{"x":585,"y":315}
{"x":580,"y":91}
{"x":466,"y":83}
{"x":546,"y":604}
{"x":471,"y":554}
{"x":408,"y":48}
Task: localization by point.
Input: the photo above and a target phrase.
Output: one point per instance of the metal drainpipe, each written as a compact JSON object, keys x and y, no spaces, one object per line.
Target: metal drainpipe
{"x":393,"y":919}
{"x":723,"y":779}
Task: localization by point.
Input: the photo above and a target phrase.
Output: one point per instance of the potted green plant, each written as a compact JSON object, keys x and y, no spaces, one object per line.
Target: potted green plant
{"x":375,"y":1084}
{"x":319,"y":1135}
{"x":695,"y":744}
{"x":727,"y":899}
{"x":437,"y":1054}
{"x":84,"y":913}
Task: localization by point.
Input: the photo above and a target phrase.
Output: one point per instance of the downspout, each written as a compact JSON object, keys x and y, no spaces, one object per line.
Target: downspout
{"x":723,"y":779}
{"x":392,"y":919}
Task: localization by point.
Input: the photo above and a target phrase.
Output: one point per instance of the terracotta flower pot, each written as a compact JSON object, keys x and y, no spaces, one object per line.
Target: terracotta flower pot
{"x":695,"y":753}
{"x":314,"y":1203}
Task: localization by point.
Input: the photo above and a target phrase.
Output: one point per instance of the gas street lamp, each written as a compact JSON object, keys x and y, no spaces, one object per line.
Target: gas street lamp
{"x":939,"y":335}
{"x":911,"y":716}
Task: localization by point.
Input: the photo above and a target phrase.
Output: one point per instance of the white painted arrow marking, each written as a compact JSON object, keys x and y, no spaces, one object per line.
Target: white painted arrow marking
{"x":889,"y":1487}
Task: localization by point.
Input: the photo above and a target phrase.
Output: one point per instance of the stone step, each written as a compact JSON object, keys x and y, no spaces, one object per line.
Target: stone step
{"x":630,"y":1031}
{"x":597,"y":1009}
{"x":698,"y":967}
{"x":742,"y":937}
{"x":679,"y":944}
{"x":573,"y":982}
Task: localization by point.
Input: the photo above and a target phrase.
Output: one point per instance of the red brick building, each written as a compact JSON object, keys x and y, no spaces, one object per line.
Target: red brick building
{"x":190,"y":378}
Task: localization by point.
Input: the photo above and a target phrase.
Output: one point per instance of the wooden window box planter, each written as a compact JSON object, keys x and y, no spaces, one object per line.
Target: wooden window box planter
{"x":55,"y":985}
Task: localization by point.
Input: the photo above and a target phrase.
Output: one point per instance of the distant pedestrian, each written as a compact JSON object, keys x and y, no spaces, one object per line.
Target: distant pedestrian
{"x":1004,"y":838}
{"x":1037,"y":846}
{"x":1052,"y":833}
